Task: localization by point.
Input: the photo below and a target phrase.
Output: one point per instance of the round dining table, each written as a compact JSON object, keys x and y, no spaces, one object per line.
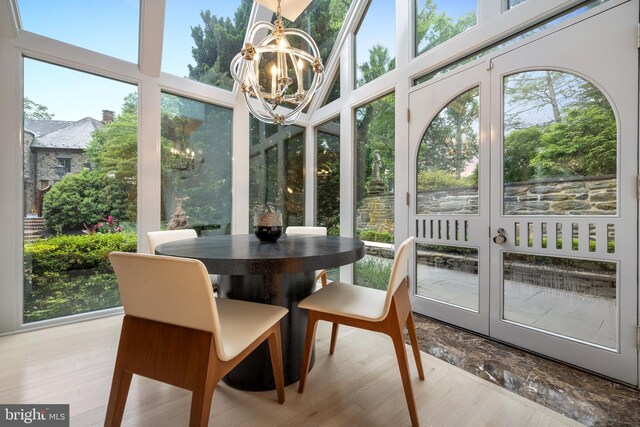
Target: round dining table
{"x":281,"y":273}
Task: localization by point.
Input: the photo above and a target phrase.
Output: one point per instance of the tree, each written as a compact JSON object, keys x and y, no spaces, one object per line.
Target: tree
{"x":433,"y":28}
{"x":216,"y":42}
{"x":33,"y":110}
{"x":451,"y":140}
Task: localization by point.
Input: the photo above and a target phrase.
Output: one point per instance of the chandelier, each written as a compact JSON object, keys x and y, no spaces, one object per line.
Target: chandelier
{"x":275,"y":56}
{"x":185,"y":160}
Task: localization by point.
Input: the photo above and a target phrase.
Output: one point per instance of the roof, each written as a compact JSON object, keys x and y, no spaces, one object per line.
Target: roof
{"x":43,"y":127}
{"x":75,"y":135}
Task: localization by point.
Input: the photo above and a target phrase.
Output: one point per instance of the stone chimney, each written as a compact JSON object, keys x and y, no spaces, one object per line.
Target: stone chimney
{"x":107,"y":116}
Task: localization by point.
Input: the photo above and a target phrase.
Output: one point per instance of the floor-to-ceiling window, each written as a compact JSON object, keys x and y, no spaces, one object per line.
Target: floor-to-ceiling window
{"x":79,"y":190}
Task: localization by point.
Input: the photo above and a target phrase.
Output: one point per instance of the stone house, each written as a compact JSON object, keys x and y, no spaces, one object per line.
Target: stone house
{"x":49,"y":143}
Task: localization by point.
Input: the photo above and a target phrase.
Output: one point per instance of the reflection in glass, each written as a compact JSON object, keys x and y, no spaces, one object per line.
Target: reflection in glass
{"x":201,"y":38}
{"x":514,"y":3}
{"x":439,"y":20}
{"x":80,"y":189}
{"x":375,"y":42}
{"x":196,"y":165}
{"x":570,"y":297}
{"x":276,"y":169}
{"x":448,"y":274}
{"x":560,"y":146}
{"x":375,"y":164}
{"x":334,"y":91}
{"x":447,"y":164}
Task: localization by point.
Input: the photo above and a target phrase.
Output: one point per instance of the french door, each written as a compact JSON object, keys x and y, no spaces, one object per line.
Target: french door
{"x":523,"y":177}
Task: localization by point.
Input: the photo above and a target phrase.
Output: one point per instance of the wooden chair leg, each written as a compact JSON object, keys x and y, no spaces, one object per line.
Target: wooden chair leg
{"x":334,"y":338}
{"x":117,"y":397}
{"x":308,"y":346}
{"x":414,"y":344}
{"x":275,"y":350}
{"x":201,"y":402}
{"x":403,"y":364}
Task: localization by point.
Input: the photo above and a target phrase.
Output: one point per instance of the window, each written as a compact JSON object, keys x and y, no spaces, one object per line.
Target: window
{"x":106,"y":27}
{"x":196,"y":165}
{"x":73,"y":224}
{"x":334,"y":92}
{"x":375,"y":42}
{"x":375,"y":164}
{"x":66,"y":163}
{"x":202,"y":37}
{"x":436,"y":21}
{"x":276,"y":170}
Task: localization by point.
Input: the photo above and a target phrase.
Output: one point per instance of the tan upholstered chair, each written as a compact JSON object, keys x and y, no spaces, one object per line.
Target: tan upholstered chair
{"x":155,"y":238}
{"x":175,"y":331}
{"x":387,"y":312}
{"x":314,"y":231}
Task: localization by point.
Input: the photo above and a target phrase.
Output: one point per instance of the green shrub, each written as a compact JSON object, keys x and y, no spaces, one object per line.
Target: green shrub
{"x":67,"y":275}
{"x":436,"y":179}
{"x":79,"y":252}
{"x":373,"y":273}
{"x":375,"y":236}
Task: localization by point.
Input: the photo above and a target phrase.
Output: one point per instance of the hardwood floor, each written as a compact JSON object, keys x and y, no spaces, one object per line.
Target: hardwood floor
{"x":359,"y":385}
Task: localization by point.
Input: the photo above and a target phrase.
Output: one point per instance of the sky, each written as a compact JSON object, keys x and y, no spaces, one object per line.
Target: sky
{"x":111,"y":27}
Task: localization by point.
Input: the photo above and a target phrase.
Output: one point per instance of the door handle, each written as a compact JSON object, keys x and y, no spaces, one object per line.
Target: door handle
{"x":500,"y":238}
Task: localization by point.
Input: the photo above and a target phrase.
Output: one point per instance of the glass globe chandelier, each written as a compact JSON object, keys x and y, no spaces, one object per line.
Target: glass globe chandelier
{"x":275,"y":57}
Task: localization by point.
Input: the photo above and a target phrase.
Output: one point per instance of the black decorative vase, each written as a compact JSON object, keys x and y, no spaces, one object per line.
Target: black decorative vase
{"x":268,"y":234}
{"x":267,"y":224}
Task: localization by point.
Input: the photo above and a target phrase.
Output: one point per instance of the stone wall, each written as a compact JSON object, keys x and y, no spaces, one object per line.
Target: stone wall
{"x":47,"y":160}
{"x":29,"y":174}
{"x":376,"y":213}
{"x":574,"y":196}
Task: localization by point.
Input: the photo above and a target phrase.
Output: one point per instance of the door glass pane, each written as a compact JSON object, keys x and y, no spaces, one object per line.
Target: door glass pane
{"x":375,"y":164}
{"x":196,"y":165}
{"x":80,"y":190}
{"x":375,"y":42}
{"x":202,"y":37}
{"x":448,"y":274}
{"x":105,"y":27}
{"x":574,"y":298}
{"x":447,"y":180}
{"x":560,"y":146}
{"x":439,"y":20}
{"x":276,"y":170}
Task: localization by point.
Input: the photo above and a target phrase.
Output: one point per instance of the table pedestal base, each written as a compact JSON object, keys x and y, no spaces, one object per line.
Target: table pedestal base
{"x":286,"y":290}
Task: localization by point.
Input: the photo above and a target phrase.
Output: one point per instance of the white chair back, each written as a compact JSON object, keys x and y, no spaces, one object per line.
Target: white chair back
{"x":316,"y":231}
{"x":156,"y":238}
{"x":167,"y":289}
{"x":398,"y":271}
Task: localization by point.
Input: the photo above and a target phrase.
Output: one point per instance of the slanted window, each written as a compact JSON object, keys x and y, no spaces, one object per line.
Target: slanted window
{"x":109,"y":27}
{"x":437,"y":21}
{"x":375,"y":42}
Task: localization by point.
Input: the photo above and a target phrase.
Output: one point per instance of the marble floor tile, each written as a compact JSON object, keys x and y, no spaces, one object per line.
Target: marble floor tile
{"x":587,"y":398}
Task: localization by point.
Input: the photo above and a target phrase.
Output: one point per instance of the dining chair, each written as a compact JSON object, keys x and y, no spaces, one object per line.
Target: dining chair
{"x":155,"y":238}
{"x":371,"y":309}
{"x":176,"y":332}
{"x":314,"y":231}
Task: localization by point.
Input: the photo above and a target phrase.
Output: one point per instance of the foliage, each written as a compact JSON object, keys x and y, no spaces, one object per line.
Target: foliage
{"x":375,"y":236}
{"x":76,"y":200}
{"x":373,"y":273}
{"x":75,"y":252}
{"x":450,"y":143}
{"x":33,"y":110}
{"x":107,"y":225}
{"x":379,"y":63}
{"x":216,"y":42}
{"x":55,"y":295}
{"x":581,"y":140}
{"x":433,"y":28}
{"x":436,"y":179}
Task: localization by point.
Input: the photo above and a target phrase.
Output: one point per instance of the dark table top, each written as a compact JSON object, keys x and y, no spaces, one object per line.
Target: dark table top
{"x":242,"y":254}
